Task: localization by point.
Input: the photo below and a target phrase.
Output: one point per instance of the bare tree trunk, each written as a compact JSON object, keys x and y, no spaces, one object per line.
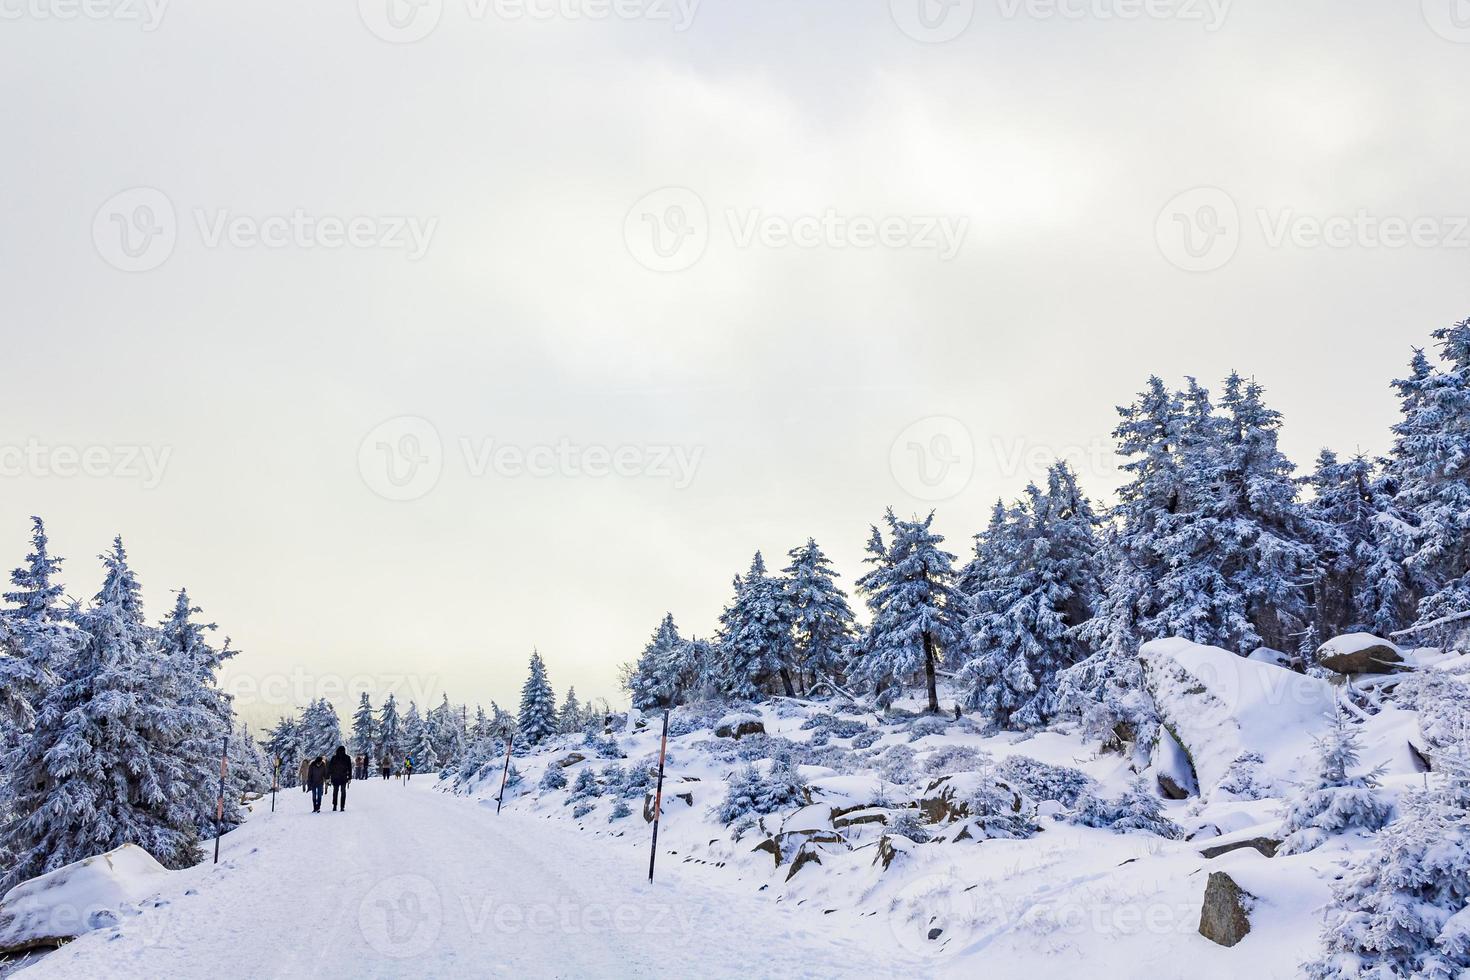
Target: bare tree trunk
{"x":929,"y":674}
{"x":786,"y":680}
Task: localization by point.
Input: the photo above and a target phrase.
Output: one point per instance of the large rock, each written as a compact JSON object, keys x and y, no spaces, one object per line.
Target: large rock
{"x":1225,"y":918}
{"x":1360,"y":653}
{"x":1264,"y":845}
{"x":739,"y":726}
{"x":669,"y":796}
{"x":571,"y":760}
{"x":78,"y":898}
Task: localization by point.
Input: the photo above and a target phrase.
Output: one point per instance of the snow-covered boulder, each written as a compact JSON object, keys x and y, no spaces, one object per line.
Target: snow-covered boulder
{"x":1359,"y":653}
{"x":1225,"y":914}
{"x":78,"y":898}
{"x":737,"y":726}
{"x":1221,"y":707}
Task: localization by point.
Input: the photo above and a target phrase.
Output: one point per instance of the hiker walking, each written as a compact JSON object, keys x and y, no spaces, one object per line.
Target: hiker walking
{"x":340,"y":771}
{"x":386,"y":766}
{"x":316,"y":781}
{"x":305,"y":766}
{"x":408,"y":769}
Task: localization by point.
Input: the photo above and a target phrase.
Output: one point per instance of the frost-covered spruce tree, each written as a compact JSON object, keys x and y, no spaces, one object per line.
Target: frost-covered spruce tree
{"x":284,"y":744}
{"x":1403,"y":912}
{"x":819,"y":613}
{"x":37,"y":637}
{"x":1364,"y":587}
{"x":916,"y":610}
{"x":1335,"y":800}
{"x":755,"y":642}
{"x":100,"y":769}
{"x":421,"y":748}
{"x":390,"y":729}
{"x":1138,"y":808}
{"x":365,"y":728}
{"x":1038,"y":584}
{"x":413,"y":732}
{"x":1430,"y":461}
{"x":321,"y":732}
{"x":204,"y":714}
{"x":538,"y":704}
{"x":446,"y":731}
{"x":655,"y":682}
{"x":569,"y":719}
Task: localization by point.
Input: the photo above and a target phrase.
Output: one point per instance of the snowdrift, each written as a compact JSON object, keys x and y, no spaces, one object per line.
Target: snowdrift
{"x":93,"y":893}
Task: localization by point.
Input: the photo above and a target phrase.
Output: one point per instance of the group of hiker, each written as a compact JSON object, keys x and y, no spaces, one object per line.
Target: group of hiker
{"x":340,"y":770}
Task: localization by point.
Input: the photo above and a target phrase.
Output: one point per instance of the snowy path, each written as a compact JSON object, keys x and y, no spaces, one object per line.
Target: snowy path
{"x":409,"y":882}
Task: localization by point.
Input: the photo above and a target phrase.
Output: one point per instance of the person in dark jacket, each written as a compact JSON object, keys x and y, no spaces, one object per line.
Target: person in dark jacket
{"x":316,"y":781}
{"x":387,"y":767}
{"x":340,"y":771}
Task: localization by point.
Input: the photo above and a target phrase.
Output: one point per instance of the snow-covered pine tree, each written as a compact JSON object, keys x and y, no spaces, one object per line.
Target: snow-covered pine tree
{"x":1363,"y":587}
{"x":37,"y":637}
{"x":916,"y":610}
{"x":365,"y":728}
{"x":413,"y":732}
{"x":283,"y":743}
{"x":1038,"y":583}
{"x":569,"y":718}
{"x":447,"y":725}
{"x":321,"y":732}
{"x":99,"y":770}
{"x":755,"y":641}
{"x":538,"y":704}
{"x":1335,"y":800}
{"x":819,"y":613}
{"x":390,"y":729}
{"x":421,"y":746}
{"x":1430,"y":462}
{"x":204,"y":713}
{"x":655,"y":681}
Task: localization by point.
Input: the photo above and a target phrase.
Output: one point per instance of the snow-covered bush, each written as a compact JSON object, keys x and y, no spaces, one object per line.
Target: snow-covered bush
{"x":897,"y":764}
{"x":751,"y":792}
{"x":1244,"y":780}
{"x":997,"y":811}
{"x":1335,"y":800}
{"x":1040,"y":781}
{"x":867,"y":739}
{"x":955,"y":758}
{"x":819,"y":739}
{"x":581,"y":810}
{"x":554,"y":778}
{"x":834,"y":726}
{"x":906,"y":823}
{"x":586,"y":785}
{"x":605,"y":746}
{"x":619,"y":811}
{"x":928,"y":725}
{"x":1443,"y":703}
{"x":1137,"y":809}
{"x":1403,"y":912}
{"x":699,"y":716}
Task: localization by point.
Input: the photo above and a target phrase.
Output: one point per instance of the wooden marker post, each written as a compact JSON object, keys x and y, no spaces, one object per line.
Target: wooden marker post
{"x":510,"y":741}
{"x":658,"y":795}
{"x":219,"y":808}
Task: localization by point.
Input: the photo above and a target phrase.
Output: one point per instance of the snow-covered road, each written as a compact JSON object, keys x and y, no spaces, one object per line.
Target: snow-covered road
{"x":410,"y":882}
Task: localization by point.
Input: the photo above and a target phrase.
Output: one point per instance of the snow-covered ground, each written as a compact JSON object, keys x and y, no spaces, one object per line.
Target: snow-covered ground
{"x":414,"y":883}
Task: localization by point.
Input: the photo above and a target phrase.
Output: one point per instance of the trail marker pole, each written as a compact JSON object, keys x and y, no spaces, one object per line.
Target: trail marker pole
{"x":510,"y":742}
{"x":219,"y":809}
{"x":658,"y":795}
{"x":275,"y":783}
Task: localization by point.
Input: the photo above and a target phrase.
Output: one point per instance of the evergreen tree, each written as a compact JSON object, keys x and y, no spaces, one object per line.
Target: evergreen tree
{"x":1335,"y":800}
{"x":390,"y":729}
{"x":756,"y":644}
{"x":36,"y":638}
{"x":1038,"y":583}
{"x":916,"y":609}
{"x":284,"y":743}
{"x":413,"y":732}
{"x":365,"y":728}
{"x":819,"y":613}
{"x":538,"y":704}
{"x":1430,"y":462}
{"x":1364,"y":587}
{"x":655,"y":681}
{"x":100,"y":768}
{"x":570,"y":719}
{"x":321,"y":732}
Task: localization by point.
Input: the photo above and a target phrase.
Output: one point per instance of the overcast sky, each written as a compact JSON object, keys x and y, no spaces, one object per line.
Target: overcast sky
{"x":410,"y":337}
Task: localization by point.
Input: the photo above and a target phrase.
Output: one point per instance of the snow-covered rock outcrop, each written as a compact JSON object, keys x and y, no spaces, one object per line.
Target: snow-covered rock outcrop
{"x":93,"y":893}
{"x":1221,"y":708}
